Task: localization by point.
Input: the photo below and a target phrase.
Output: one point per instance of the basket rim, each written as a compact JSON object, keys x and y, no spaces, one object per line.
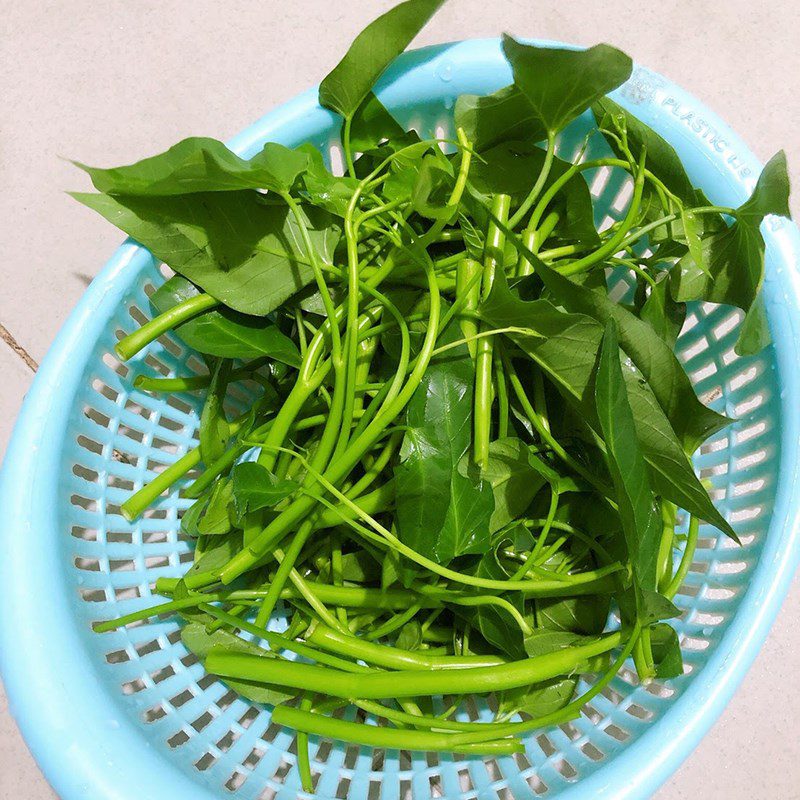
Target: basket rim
{"x":103,"y":758}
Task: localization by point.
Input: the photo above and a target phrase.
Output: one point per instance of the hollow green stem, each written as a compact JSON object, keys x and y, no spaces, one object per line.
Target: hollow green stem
{"x":346,"y":147}
{"x":482,"y":414}
{"x":570,"y":711}
{"x":530,"y":561}
{"x":374,"y":736}
{"x":279,"y":642}
{"x":393,"y":623}
{"x":138,"y":502}
{"x":282,"y":575}
{"x":502,"y":397}
{"x":617,"y":240}
{"x":686,"y":559}
{"x":468,"y":290}
{"x":194,"y":382}
{"x":181,"y":312}
{"x":303,"y":757}
{"x":361,"y":649}
{"x":665,"y":547}
{"x":412,"y":683}
{"x":541,"y":180}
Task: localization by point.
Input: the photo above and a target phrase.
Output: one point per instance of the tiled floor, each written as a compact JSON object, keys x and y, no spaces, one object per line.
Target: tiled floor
{"x":110,"y":82}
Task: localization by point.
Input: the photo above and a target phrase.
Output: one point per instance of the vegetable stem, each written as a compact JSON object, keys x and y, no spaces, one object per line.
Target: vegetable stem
{"x":541,"y":180}
{"x":129,"y":346}
{"x":482,"y":414}
{"x":373,"y":736}
{"x":411,"y":683}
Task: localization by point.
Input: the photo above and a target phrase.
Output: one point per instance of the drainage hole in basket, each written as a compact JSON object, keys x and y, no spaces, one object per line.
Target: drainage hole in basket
{"x":118,"y":657}
{"x":254,"y":758}
{"x":592,"y":752}
{"x":566,"y":769}
{"x":145,"y":648}
{"x":179,"y":739}
{"x":236,"y":780}
{"x":546,"y":745}
{"x":154,"y":714}
{"x":639,"y":712}
{"x":537,"y":784}
{"x":202,"y":721}
{"x":205,"y":761}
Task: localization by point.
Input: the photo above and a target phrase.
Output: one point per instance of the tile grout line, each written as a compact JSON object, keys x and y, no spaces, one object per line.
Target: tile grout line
{"x":9,"y":339}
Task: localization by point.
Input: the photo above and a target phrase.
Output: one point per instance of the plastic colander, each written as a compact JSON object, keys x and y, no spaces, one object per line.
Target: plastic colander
{"x":131,"y":715}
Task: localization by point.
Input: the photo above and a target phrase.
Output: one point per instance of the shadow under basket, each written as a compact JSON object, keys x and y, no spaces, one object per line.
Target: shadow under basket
{"x":131,"y":714}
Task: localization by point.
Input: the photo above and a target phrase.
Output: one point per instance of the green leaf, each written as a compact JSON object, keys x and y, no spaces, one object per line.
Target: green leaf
{"x":440,"y":512}
{"x":691,"y":231}
{"x":754,"y":334}
{"x":200,"y":164}
{"x":655,"y":607}
{"x":539,"y":699}
{"x":371,"y":124}
{"x":691,"y":420}
{"x":242,"y":250}
{"x":664,"y":314}
{"x":662,"y":160}
{"x":423,"y":175}
{"x":214,"y":430}
{"x":225,"y":333}
{"x":559,"y":483}
{"x":323,"y":189}
{"x":504,"y":115}
{"x":666,"y":651}
{"x":473,"y":238}
{"x":412,"y":147}
{"x":581,"y":615}
{"x":511,"y":167}
{"x":641,"y":523}
{"x":191,"y":614}
{"x":199,"y":641}
{"x":219,"y":550}
{"x":310,"y":299}
{"x":346,"y":86}
{"x":566,"y":346}
{"x":731,"y":270}
{"x":360,"y":567}
{"x":495,"y":624}
{"x":190,"y":519}
{"x":433,"y":187}
{"x":410,"y":636}
{"x":513,"y":480}
{"x":543,"y":642}
{"x":216,"y":519}
{"x":255,"y":487}
{"x":408,"y":302}
{"x":583,"y":77}
{"x":771,"y":195}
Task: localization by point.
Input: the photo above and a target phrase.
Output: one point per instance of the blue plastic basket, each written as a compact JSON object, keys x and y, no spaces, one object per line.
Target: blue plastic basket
{"x":131,"y":714}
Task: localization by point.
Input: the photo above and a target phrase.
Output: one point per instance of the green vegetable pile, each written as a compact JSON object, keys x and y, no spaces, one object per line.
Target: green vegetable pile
{"x":463,"y":469}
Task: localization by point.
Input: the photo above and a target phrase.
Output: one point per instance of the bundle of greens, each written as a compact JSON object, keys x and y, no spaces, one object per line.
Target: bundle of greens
{"x":463,"y":469}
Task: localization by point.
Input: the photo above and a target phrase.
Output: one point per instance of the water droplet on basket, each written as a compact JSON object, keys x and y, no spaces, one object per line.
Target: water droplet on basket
{"x":707,"y":632}
{"x":445,"y":71}
{"x":449,"y":103}
{"x":113,"y":724}
{"x":80,"y":580}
